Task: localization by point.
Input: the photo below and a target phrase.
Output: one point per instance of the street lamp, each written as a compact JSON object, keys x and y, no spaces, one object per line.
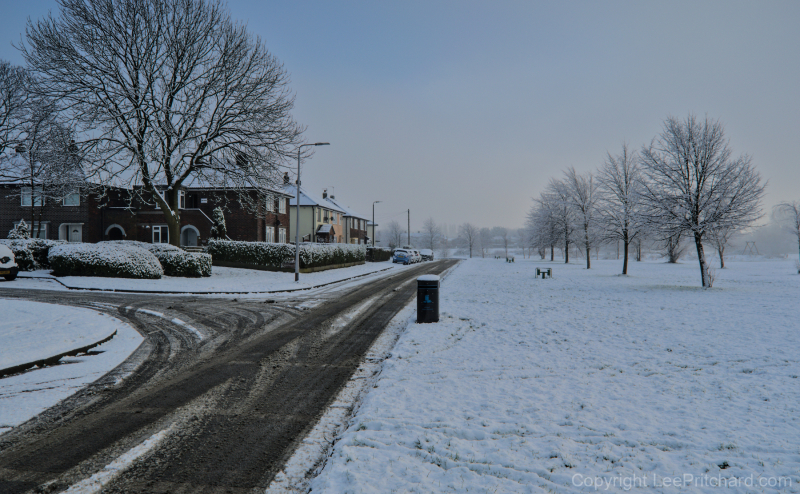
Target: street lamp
{"x":373,"y":221}
{"x":297,"y":216}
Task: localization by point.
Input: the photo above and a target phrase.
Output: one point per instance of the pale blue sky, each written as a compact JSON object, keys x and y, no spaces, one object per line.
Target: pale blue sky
{"x":463,"y":110}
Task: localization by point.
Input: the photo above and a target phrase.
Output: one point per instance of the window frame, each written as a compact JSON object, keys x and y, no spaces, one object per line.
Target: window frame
{"x":72,"y":194}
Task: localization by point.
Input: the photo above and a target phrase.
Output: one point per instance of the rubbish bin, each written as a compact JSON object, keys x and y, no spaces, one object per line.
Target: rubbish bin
{"x":428,"y":298}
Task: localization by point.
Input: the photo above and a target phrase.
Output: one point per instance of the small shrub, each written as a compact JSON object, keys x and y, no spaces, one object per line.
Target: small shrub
{"x":20,"y":232}
{"x":104,"y":260}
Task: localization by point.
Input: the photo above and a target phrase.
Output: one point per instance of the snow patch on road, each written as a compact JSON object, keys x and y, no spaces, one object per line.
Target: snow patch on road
{"x":173,"y":320}
{"x":96,"y":482}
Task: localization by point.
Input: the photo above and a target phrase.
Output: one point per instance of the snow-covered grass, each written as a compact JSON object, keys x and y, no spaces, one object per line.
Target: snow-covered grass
{"x":222,"y":280}
{"x":587,"y":381}
{"x":34,"y":330}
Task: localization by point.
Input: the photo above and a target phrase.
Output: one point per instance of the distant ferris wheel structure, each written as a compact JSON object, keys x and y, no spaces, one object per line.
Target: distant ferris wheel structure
{"x":749,"y":247}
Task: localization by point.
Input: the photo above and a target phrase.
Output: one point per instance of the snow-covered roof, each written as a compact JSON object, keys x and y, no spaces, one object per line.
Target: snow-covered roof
{"x":347,"y":210}
{"x":308,"y":199}
{"x":325,"y":229}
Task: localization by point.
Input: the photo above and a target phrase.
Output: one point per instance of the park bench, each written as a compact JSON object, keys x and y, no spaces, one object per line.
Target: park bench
{"x":544,"y":272}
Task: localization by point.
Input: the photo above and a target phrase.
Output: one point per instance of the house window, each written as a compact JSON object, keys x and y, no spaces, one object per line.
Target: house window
{"x":270,"y":234}
{"x":181,"y":199}
{"x":160,"y":234}
{"x":319,"y":215}
{"x":73,"y":199}
{"x":282,"y":235}
{"x":270,"y":204}
{"x":282,"y":205}
{"x":28,"y":198}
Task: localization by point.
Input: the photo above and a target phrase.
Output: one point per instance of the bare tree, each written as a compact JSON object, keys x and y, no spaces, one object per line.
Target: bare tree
{"x":469,"y":233}
{"x":620,"y":183}
{"x":432,"y":233}
{"x":396,"y":234}
{"x":674,"y":247}
{"x":505,"y":237}
{"x":46,"y":162}
{"x":542,"y":224}
{"x":792,"y":210}
{"x":720,"y":237}
{"x":694,"y":186}
{"x":556,"y":199}
{"x":14,"y":97}
{"x":485,"y":240}
{"x":168,"y":91}
{"x":582,"y":197}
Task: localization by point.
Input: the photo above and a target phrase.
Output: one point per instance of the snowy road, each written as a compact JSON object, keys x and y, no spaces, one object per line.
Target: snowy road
{"x":215,"y":403}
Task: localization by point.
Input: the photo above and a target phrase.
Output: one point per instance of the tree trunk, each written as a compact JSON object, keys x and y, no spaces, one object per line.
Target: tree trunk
{"x":721,"y":251}
{"x":701,"y":258}
{"x":566,"y":253}
{"x":588,"y":257}
{"x":552,"y":252}
{"x":625,"y":255}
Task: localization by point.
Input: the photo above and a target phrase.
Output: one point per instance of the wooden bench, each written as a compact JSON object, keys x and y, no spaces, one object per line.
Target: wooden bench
{"x":544,"y":272}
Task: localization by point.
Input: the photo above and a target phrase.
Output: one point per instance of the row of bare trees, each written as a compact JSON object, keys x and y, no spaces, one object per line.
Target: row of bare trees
{"x":156,"y":95}
{"x":685,"y":183}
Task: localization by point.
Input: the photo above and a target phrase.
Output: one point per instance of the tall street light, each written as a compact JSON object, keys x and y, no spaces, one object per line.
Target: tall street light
{"x":297,"y":208}
{"x":373,"y":221}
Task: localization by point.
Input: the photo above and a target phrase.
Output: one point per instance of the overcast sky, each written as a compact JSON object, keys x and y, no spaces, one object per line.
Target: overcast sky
{"x":462,"y":111}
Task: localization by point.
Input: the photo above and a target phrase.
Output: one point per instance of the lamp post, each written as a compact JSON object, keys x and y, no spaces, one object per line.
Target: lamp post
{"x":373,"y":221}
{"x":297,"y":216}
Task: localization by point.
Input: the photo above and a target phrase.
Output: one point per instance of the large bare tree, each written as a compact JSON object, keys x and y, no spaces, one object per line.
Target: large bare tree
{"x":46,"y":162}
{"x":582,"y":197}
{"x":167,"y":92}
{"x":469,"y":233}
{"x":694,"y":185}
{"x":14,"y":97}
{"x":619,"y":185}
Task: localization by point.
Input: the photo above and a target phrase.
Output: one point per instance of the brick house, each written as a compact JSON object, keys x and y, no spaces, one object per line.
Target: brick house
{"x":116,"y":215}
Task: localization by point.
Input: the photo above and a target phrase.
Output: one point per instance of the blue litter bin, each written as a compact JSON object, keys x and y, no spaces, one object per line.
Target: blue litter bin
{"x":428,"y":298}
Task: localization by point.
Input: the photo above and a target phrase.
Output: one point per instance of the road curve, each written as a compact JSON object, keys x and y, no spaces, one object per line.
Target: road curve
{"x":231,"y":406}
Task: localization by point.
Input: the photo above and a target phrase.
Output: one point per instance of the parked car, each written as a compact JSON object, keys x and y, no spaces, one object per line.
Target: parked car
{"x":8,"y":265}
{"x":402,"y":255}
{"x":427,"y":254}
{"x":417,"y":256}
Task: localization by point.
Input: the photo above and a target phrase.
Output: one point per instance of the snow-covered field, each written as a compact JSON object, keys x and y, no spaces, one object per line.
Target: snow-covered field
{"x":34,"y":330}
{"x":586,"y":382}
{"x":222,"y":280}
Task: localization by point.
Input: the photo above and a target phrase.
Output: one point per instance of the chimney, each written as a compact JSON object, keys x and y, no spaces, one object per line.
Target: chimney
{"x":286,"y":178}
{"x":333,"y":197}
{"x":324,"y":193}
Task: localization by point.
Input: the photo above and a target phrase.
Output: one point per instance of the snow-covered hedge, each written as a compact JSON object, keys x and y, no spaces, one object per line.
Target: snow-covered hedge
{"x":175,"y":261}
{"x":31,"y":253}
{"x":104,"y":260}
{"x":274,"y":256}
{"x":378,"y":254}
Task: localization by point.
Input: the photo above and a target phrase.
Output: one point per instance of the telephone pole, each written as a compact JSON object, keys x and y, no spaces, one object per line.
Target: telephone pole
{"x":409,"y":227}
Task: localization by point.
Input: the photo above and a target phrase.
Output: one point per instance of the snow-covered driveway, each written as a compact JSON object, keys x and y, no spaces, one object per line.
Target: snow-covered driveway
{"x":588,"y":381}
